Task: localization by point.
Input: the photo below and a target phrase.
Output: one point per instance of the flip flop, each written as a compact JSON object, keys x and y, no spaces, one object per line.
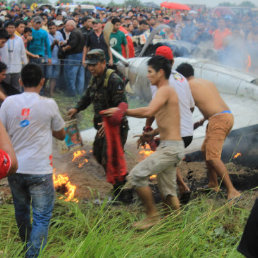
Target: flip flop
{"x":234,"y":200}
{"x":185,"y":197}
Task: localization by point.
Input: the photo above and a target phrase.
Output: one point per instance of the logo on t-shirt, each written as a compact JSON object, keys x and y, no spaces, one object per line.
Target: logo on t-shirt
{"x":113,"y":42}
{"x":178,"y":77}
{"x":25,"y":117}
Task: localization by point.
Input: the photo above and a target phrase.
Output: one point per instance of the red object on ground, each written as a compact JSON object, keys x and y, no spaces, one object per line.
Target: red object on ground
{"x":5,"y":164}
{"x":116,"y":165}
{"x":175,"y":6}
{"x":129,"y":43}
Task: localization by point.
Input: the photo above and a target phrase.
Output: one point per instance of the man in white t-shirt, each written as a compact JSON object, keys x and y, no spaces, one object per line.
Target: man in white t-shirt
{"x":186,"y":105}
{"x":31,"y":121}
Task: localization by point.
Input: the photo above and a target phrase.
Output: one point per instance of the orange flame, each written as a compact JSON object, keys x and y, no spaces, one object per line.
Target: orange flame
{"x":81,"y":164}
{"x":153,"y":177}
{"x":249,"y":63}
{"x":237,"y":155}
{"x":146,"y":151}
{"x":78,"y":154}
{"x":63,"y":181}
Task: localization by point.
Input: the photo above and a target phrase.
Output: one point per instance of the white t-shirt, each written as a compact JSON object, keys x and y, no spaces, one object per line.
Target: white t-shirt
{"x":29,"y":120}
{"x":186,"y":101}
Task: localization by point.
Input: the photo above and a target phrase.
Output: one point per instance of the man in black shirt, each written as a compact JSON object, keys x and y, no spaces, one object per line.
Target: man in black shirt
{"x":95,"y":40}
{"x":73,"y":69}
{"x":87,"y":26}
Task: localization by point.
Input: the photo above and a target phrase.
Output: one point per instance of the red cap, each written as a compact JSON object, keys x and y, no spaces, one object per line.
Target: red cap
{"x":165,"y":52}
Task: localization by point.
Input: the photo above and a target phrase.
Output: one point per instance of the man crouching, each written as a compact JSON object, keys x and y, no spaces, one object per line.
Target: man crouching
{"x":163,"y":162}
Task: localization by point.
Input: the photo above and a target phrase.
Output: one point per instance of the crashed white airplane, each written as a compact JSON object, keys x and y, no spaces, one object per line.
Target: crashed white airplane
{"x":237,"y":88}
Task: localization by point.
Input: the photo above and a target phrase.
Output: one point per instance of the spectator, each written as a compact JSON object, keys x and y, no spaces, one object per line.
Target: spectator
{"x":39,"y":45}
{"x":19,"y":28}
{"x":53,"y":70}
{"x":3,"y":37}
{"x":5,"y":89}
{"x":117,"y":39}
{"x":96,"y":41}
{"x":86,"y":26}
{"x":73,"y":69}
{"x":30,"y":122}
{"x":13,"y":54}
{"x":220,"y":34}
{"x":143,"y":27}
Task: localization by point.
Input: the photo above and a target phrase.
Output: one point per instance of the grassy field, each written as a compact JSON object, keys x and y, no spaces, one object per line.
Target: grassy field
{"x":204,"y":228}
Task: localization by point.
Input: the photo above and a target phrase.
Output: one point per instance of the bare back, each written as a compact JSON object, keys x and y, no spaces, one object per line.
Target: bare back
{"x":207,"y":97}
{"x":168,"y":116}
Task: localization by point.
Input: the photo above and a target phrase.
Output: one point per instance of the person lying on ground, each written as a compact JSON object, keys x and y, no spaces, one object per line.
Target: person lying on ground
{"x":163,"y":162}
{"x":221,"y":120}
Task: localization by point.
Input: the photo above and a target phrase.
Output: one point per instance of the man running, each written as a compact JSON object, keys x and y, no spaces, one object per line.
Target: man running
{"x":221,"y":120}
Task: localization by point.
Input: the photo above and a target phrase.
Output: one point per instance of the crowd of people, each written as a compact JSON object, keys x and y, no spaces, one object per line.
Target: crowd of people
{"x":44,"y":46}
{"x":59,"y":39}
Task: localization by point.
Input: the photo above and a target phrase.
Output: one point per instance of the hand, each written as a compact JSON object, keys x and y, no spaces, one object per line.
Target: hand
{"x":110,"y":62}
{"x":144,"y":138}
{"x":110,"y":111}
{"x":101,"y":131}
{"x":199,"y":123}
{"x":49,"y":61}
{"x":72,"y":112}
{"x":36,"y":56}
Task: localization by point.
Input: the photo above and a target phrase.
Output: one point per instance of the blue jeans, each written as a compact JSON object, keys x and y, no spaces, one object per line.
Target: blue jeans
{"x":37,"y":190}
{"x":74,"y":74}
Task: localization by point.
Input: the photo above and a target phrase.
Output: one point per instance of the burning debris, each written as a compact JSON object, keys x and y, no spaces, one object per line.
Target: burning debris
{"x":64,"y":186}
{"x":237,"y":155}
{"x":145,"y":151}
{"x":80,"y":158}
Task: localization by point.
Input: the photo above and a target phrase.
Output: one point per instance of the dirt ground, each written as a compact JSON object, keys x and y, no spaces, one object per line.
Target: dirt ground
{"x":91,"y":183}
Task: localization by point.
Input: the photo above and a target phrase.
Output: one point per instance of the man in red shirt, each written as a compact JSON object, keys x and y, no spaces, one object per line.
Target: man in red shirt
{"x":220,"y":34}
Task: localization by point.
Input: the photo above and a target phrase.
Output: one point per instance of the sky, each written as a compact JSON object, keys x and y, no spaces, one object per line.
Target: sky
{"x":210,"y":3}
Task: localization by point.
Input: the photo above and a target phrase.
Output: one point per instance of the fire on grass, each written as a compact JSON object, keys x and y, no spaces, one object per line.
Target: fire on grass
{"x":145,"y":151}
{"x":62,"y":182}
{"x":237,"y":155}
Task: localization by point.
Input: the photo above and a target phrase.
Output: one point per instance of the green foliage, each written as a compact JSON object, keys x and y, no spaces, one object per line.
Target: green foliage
{"x":133,"y":3}
{"x":247,"y":4}
{"x":202,"y":229}
{"x":228,"y":4}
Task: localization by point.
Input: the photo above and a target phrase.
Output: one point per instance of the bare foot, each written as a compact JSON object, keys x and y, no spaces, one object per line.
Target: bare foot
{"x":209,"y":188}
{"x":147,"y":223}
{"x":233,"y":194}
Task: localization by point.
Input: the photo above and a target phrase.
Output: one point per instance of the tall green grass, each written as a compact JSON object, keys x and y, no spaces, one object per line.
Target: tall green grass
{"x":203,"y":228}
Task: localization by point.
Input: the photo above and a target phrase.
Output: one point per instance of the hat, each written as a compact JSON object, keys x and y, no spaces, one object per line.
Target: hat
{"x":37,"y":19}
{"x":97,"y":21}
{"x":58,"y":23}
{"x":165,"y":52}
{"x":94,"y":56}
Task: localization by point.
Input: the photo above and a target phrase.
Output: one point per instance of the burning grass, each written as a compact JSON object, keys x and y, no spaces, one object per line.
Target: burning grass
{"x":203,"y":228}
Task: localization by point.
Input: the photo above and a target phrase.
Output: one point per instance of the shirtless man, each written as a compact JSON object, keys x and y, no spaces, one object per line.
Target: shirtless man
{"x":221,"y":120}
{"x":163,"y":162}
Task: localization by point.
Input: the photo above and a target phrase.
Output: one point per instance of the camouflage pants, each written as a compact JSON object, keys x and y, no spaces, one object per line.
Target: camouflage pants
{"x":100,"y":145}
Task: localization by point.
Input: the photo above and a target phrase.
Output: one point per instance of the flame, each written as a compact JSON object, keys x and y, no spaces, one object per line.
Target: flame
{"x":62,"y":181}
{"x":78,"y":154}
{"x":237,"y":155}
{"x":146,"y":151}
{"x":249,"y":63}
{"x":153,"y":177}
{"x":81,"y":164}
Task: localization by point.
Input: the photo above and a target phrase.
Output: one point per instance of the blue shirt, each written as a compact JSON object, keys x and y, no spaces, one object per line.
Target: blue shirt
{"x":60,"y":38}
{"x":40,"y":43}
